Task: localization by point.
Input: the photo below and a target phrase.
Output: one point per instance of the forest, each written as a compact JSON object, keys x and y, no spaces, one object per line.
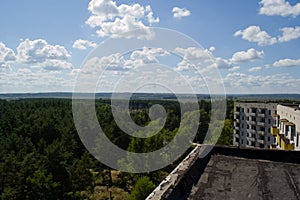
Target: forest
{"x":42,"y":156}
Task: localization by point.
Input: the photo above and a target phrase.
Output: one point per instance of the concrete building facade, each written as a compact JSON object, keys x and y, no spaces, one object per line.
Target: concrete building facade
{"x":286,"y":129}
{"x":252,"y":124}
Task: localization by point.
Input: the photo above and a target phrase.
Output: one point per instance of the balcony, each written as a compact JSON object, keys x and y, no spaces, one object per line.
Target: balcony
{"x":236,"y":135}
{"x":260,"y":141}
{"x":274,"y":131}
{"x":252,"y":114}
{"x":251,"y":131}
{"x":237,"y":113}
{"x":237,"y":128}
{"x":261,"y":132}
{"x":253,"y":123}
{"x":261,"y":115}
{"x":251,"y":139}
{"x":260,"y":123}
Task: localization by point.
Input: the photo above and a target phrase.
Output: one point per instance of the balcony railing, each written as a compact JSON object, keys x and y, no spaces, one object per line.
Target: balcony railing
{"x":260,"y":115}
{"x":252,"y":123}
{"x":236,"y":135}
{"x":236,"y":113}
{"x":260,"y":141}
{"x":260,"y":123}
{"x":251,"y":139}
{"x":252,"y":114}
{"x":261,"y":132}
{"x":274,"y":130}
{"x":251,"y":131}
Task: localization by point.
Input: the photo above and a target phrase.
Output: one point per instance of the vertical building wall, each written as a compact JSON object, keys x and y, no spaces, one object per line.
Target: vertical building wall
{"x":252,"y":122}
{"x":287,"y":127}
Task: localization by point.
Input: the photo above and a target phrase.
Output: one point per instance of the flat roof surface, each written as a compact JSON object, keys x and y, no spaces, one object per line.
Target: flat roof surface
{"x":229,"y":177}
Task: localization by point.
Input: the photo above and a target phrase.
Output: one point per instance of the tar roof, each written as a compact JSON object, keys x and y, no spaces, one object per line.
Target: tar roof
{"x":228,"y":177}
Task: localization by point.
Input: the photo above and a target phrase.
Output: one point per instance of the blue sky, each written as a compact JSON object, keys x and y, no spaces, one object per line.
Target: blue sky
{"x":255,"y":43}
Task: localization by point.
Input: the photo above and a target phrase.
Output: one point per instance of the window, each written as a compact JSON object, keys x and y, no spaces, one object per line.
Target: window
{"x":269,"y":139}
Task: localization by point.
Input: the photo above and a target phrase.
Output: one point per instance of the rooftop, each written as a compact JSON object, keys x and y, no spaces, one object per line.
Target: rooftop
{"x":233,"y":173}
{"x":295,"y":106}
{"x":228,"y":177}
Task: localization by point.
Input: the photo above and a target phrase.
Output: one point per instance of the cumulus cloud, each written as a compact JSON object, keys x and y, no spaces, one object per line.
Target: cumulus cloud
{"x":222,"y":63}
{"x":262,"y":38}
{"x":247,"y":56}
{"x":254,"y":69}
{"x":287,"y":63}
{"x":248,"y":83}
{"x":193,"y":57}
{"x":6,"y":55}
{"x":194,"y":53}
{"x":118,"y":62}
{"x":145,"y":56}
{"x":180,"y":12}
{"x":255,"y":34}
{"x":235,"y":68}
{"x":279,"y":8}
{"x":38,"y":53}
{"x":83,"y":44}
{"x":118,"y":20}
{"x":289,"y":33}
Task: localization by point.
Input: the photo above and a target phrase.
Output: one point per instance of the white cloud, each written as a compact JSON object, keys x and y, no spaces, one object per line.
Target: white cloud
{"x":194,"y":53}
{"x":38,"y":53}
{"x":83,"y":44}
{"x":235,"y":68}
{"x":193,"y":57}
{"x":247,"y":83}
{"x":180,"y":12}
{"x":34,"y":80}
{"x":267,"y":66}
{"x":223,"y":63}
{"x":287,"y":63}
{"x":254,"y":69}
{"x":117,"y":20}
{"x":255,"y":34}
{"x":150,"y":17}
{"x":279,"y":7}
{"x":6,"y":55}
{"x":247,"y":56}
{"x":98,"y":64}
{"x":211,"y":49}
{"x":289,"y":33}
{"x":145,"y":56}
{"x":200,"y":58}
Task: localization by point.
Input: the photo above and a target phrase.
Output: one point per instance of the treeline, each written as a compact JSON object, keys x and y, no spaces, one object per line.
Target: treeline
{"x":42,"y":157}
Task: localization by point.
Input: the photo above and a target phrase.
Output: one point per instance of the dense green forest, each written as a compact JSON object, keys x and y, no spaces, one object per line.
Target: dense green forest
{"x":42,"y":157}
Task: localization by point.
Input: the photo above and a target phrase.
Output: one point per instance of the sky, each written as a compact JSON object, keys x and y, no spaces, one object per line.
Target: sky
{"x":254,"y":45}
